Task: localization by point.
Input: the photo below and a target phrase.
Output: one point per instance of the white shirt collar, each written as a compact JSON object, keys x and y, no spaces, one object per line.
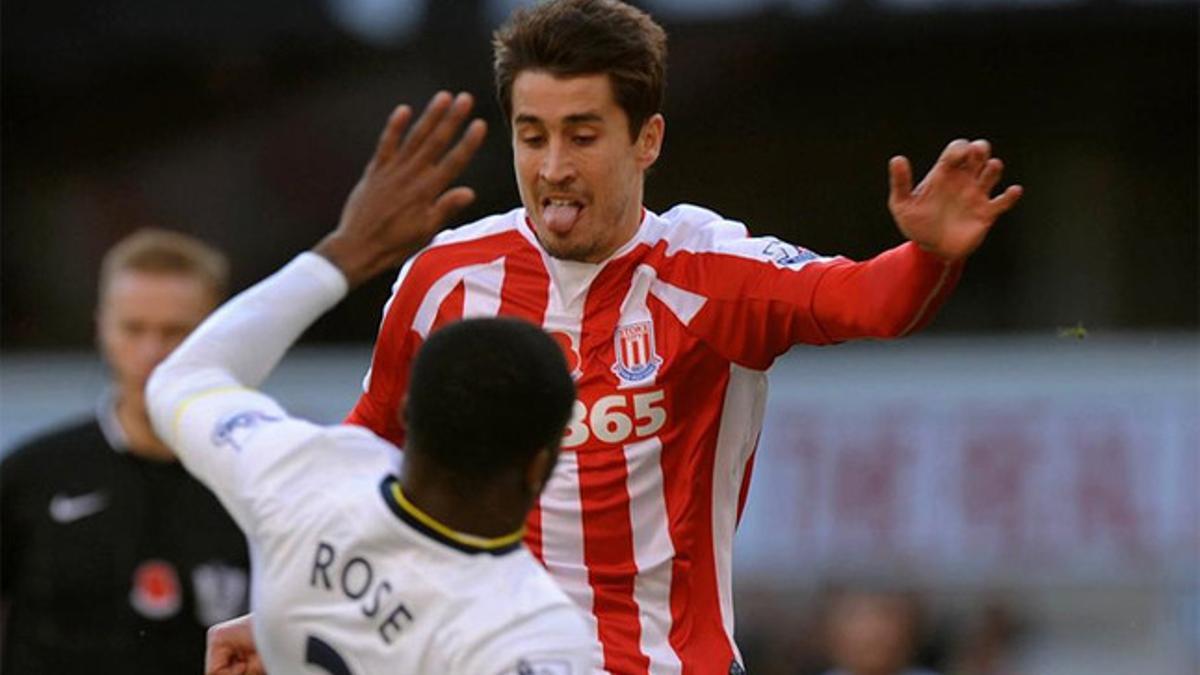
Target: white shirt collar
{"x":110,"y":425}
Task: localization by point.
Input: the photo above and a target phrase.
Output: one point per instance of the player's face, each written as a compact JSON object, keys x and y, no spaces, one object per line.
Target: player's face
{"x":870,"y":635}
{"x":579,"y":173}
{"x":143,"y":316}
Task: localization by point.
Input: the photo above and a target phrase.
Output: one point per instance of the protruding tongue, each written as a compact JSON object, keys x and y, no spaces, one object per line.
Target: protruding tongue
{"x":560,"y":219}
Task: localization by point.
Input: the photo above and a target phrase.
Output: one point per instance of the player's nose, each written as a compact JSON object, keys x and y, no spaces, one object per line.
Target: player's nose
{"x":154,"y":347}
{"x":557,"y":166}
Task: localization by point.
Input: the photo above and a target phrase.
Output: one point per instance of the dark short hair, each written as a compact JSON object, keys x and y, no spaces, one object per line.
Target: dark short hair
{"x":582,"y":37}
{"x":487,"y":394}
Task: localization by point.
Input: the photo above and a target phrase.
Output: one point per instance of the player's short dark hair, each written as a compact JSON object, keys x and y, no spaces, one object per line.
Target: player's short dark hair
{"x":582,"y":37}
{"x":487,"y":394}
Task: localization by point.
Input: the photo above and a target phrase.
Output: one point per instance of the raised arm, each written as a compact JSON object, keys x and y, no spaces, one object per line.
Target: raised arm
{"x":404,"y":196}
{"x":396,"y":207}
{"x":202,"y":396}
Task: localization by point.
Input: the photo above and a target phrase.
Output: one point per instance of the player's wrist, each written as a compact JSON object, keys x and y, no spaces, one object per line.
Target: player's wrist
{"x":935,"y":254}
{"x":355,"y":261}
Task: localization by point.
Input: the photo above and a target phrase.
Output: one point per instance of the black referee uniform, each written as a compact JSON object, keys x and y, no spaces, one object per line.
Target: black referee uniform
{"x":111,"y":563}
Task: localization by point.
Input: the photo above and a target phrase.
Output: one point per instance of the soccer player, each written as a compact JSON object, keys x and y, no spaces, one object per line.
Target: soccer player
{"x":362,"y":565}
{"x":669,"y":322}
{"x":115,"y":560}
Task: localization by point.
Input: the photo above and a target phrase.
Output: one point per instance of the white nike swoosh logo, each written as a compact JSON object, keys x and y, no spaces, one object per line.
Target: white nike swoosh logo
{"x":64,"y":509}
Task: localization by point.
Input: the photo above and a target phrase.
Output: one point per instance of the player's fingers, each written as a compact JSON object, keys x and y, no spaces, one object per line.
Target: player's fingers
{"x":255,"y":666}
{"x":216,"y":658}
{"x":433,"y":113}
{"x":955,"y":154}
{"x":1006,"y":200}
{"x":455,"y":161}
{"x":979,"y":152}
{"x":393,"y":131}
{"x":226,"y":666}
{"x":990,"y":176}
{"x":451,"y":202}
{"x":446,"y":129}
{"x":900,"y":180}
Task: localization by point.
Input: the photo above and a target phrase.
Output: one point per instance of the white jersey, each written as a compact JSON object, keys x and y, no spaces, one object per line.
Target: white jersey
{"x":348,"y":576}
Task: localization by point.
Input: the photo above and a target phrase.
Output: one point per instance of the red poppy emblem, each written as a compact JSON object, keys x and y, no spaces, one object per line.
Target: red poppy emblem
{"x":156,"y":593}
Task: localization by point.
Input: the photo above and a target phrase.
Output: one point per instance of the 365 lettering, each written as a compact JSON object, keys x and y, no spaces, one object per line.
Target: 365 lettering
{"x":617,"y":418}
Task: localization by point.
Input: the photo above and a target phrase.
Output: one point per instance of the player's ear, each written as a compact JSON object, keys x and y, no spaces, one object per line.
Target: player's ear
{"x":403,"y":412}
{"x":102,"y":335}
{"x":649,"y":141}
{"x":538,"y":471}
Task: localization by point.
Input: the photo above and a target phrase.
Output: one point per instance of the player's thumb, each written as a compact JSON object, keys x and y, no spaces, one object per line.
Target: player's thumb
{"x":899,"y":180}
{"x":451,"y":202}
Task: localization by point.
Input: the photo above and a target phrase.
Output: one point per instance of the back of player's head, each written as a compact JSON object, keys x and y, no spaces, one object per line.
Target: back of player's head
{"x":155,"y":251}
{"x":583,"y":37}
{"x":486,"y":395}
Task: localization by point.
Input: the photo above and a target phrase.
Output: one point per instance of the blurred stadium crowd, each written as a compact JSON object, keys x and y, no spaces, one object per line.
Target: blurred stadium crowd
{"x":246,"y":124}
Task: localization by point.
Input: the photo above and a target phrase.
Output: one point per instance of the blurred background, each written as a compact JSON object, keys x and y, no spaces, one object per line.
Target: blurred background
{"x":1012,"y":492}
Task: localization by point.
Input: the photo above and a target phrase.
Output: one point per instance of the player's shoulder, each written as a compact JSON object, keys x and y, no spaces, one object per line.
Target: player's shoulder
{"x":501,"y":589}
{"x":478,"y":242}
{"x":528,"y":584}
{"x":557,"y":641}
{"x":239,"y":419}
{"x":523,"y":594}
{"x":491,"y":230}
{"x":527,"y":619}
{"x":314,"y":478}
{"x":694,"y":228}
{"x":74,"y":438}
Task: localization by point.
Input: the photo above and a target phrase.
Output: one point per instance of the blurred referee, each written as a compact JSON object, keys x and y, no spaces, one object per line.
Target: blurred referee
{"x":115,"y":560}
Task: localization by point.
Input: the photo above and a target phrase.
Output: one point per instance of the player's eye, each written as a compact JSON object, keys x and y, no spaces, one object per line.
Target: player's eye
{"x":533,"y":141}
{"x":133,"y":328}
{"x":583,"y":140}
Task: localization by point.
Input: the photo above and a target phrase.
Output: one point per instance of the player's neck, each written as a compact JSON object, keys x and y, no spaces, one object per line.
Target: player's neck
{"x":139,"y":433}
{"x":490,"y":512}
{"x":626,"y":229}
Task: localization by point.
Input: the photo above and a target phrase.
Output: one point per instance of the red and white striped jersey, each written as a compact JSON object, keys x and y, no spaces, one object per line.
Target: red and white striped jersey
{"x":669,"y":341}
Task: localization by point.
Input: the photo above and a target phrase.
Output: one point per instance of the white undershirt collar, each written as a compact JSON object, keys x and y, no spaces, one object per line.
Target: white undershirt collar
{"x":110,"y":424}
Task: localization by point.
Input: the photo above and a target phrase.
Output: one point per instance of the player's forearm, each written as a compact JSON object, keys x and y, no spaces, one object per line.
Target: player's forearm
{"x":243,"y":341}
{"x":890,"y":295}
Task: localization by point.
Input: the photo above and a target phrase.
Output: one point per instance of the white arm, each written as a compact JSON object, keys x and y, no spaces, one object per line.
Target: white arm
{"x":248,"y":335}
{"x":200,"y":398}
{"x":399,"y":203}
{"x":243,"y":341}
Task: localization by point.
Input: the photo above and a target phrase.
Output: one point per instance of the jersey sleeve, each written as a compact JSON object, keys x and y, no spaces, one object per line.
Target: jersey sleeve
{"x":239,"y":442}
{"x":378,"y":408}
{"x":759,"y":296}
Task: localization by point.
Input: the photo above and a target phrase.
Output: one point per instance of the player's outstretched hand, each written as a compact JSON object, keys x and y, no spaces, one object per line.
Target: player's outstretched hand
{"x":230,"y":649}
{"x":404,"y":196}
{"x":950,"y":211}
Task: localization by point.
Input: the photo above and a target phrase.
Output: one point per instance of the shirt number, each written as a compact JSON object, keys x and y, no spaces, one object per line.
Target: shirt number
{"x":318,"y":652}
{"x":616,"y":419}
